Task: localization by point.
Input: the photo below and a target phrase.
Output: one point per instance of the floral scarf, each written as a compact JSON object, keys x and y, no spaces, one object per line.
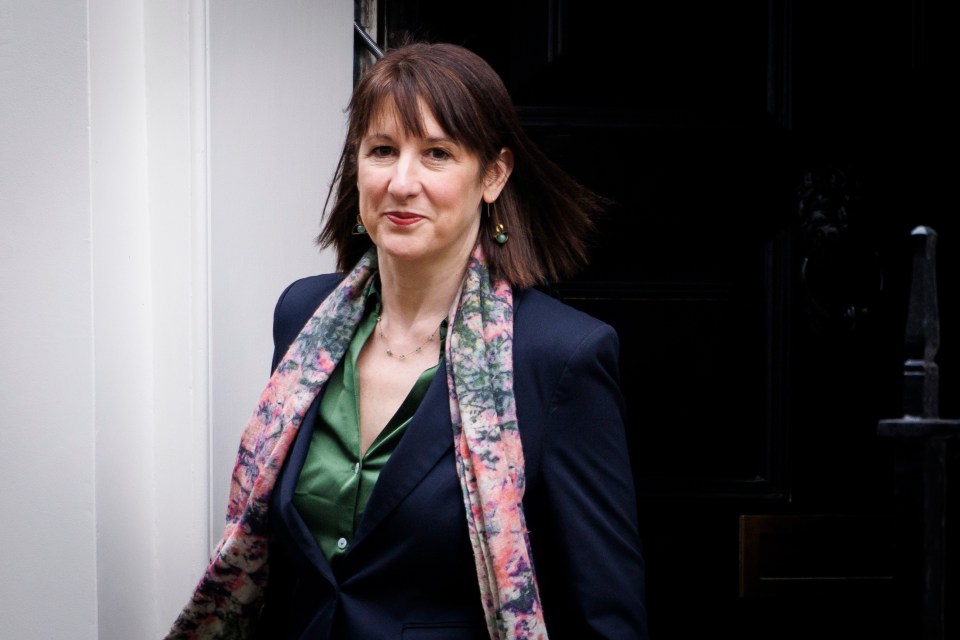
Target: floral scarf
{"x":479,"y":367}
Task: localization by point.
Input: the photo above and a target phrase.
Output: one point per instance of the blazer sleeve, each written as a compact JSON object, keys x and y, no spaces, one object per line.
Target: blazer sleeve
{"x":591,"y":568}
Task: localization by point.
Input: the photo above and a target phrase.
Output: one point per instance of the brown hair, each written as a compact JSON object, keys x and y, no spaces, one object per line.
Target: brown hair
{"x":546,"y":213}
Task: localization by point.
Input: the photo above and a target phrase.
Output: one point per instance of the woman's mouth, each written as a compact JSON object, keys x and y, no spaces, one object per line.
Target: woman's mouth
{"x":403,"y":218}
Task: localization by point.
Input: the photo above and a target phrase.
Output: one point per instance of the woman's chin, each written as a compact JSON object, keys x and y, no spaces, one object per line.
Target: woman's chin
{"x":403,"y":251}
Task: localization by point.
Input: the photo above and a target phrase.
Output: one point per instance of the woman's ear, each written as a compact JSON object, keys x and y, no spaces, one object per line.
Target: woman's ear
{"x":497,"y":175}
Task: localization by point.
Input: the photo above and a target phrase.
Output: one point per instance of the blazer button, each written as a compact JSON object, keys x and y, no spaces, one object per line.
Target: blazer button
{"x":342,"y":543}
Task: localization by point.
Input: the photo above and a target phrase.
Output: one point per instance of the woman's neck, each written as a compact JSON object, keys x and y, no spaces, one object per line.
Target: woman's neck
{"x":414,"y":293}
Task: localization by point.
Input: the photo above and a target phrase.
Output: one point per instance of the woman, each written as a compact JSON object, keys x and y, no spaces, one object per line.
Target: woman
{"x":440,"y":451}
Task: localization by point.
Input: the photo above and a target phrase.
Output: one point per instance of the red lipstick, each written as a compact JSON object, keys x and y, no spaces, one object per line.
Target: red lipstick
{"x":402,"y":218}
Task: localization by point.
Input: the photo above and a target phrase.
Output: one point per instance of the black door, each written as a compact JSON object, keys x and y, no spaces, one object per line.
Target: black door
{"x":767,"y":162}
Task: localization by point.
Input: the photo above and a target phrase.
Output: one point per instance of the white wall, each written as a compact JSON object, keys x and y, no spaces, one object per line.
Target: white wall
{"x":162,"y":168}
{"x":48,"y":522}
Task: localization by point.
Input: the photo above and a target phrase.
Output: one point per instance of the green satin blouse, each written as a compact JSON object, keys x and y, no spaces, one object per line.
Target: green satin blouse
{"x":336,"y":481}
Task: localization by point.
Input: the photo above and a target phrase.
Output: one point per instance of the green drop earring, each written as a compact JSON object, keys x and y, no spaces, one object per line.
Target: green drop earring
{"x":499,"y":235}
{"x":359,"y":229}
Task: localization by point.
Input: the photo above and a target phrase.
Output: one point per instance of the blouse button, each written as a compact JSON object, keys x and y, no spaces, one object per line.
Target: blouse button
{"x":342,"y":543}
{"x":356,"y":468}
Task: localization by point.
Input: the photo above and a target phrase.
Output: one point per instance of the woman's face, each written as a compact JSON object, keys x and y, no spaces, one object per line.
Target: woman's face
{"x":419,"y":197}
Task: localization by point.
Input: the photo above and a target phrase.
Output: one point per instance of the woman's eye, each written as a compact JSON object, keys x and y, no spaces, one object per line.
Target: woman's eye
{"x":436,"y":153}
{"x":381,"y":151}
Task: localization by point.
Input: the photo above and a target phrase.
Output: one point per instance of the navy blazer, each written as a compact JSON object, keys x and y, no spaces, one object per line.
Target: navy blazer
{"x":409,"y":573}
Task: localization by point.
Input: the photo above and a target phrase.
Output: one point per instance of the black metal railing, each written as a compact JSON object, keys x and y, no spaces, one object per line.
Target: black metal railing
{"x":923,"y":438}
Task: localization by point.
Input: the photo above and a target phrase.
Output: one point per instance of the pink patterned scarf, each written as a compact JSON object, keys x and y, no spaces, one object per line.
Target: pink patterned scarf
{"x":479,"y":364}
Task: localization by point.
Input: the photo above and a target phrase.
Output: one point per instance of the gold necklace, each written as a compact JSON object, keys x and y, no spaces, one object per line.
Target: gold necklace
{"x":403,"y":356}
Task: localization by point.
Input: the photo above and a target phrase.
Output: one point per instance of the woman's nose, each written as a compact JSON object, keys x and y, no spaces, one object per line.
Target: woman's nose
{"x":405,"y":181}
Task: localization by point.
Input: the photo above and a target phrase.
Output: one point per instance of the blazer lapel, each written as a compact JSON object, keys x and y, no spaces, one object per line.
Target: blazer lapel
{"x":427,"y":438}
{"x":294,"y":526}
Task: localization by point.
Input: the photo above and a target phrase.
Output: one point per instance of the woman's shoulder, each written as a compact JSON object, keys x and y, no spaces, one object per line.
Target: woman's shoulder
{"x":307,"y":291}
{"x":545,"y":324}
{"x":297,"y":304}
{"x":533,"y":305}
